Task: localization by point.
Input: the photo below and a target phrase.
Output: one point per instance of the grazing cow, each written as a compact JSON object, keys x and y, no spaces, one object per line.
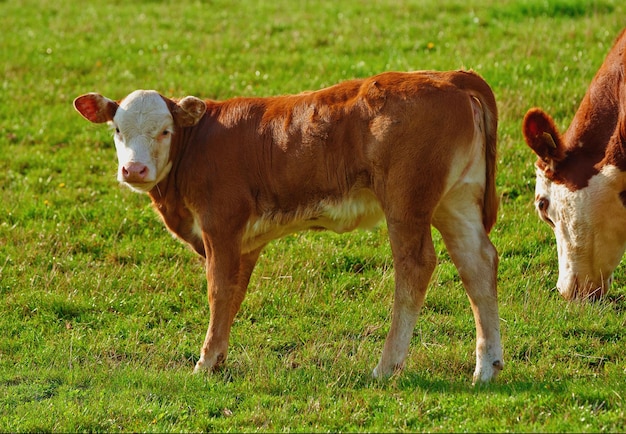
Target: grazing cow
{"x":581,"y":180}
{"x":228,"y":177}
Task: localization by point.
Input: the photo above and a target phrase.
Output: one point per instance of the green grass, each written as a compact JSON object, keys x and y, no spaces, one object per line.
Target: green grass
{"x":102,"y":312}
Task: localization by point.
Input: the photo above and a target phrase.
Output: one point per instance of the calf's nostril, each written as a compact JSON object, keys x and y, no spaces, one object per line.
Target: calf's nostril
{"x":134,"y":171}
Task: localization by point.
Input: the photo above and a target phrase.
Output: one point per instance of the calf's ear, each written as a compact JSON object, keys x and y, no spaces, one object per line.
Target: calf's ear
{"x":95,"y":108}
{"x":542,"y":136}
{"x":189,"y":111}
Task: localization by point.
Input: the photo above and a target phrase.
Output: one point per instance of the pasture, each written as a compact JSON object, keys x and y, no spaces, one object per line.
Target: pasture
{"x":103,"y":313}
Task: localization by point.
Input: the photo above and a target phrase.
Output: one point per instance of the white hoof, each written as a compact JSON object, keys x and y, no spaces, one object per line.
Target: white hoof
{"x":486,"y":373}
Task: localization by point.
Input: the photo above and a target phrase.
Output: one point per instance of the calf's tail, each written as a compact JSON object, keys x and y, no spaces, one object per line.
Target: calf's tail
{"x":478,"y":89}
{"x":491,"y":200}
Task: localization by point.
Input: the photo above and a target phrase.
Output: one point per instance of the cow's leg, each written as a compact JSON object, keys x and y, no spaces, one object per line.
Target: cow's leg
{"x":414,"y":262}
{"x":227,"y":282}
{"x":246,"y":267}
{"x":459,"y":220}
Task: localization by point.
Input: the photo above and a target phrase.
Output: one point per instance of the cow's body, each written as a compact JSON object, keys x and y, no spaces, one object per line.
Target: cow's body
{"x":228,"y":177}
{"x":581,"y":180}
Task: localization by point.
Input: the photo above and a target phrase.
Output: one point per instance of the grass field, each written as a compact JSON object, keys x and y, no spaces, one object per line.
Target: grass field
{"x":103,"y":313}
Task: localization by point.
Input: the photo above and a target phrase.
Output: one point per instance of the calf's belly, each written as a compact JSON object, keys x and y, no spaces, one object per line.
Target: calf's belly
{"x":361,"y":210}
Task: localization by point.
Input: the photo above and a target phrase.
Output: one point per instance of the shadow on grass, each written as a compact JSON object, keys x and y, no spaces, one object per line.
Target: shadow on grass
{"x":417,"y":381}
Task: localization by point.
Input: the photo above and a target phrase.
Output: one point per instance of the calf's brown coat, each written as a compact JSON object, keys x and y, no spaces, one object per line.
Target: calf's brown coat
{"x":415,"y":148}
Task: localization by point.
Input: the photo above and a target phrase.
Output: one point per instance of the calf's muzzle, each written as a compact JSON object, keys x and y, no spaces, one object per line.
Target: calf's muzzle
{"x":134,"y":172}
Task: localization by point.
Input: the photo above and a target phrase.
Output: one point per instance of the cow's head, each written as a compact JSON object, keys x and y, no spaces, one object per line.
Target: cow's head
{"x":144,"y":124}
{"x":582,"y":196}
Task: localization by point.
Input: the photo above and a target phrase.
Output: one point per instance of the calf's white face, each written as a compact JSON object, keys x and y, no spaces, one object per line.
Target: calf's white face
{"x":589,"y":227}
{"x":143,"y":133}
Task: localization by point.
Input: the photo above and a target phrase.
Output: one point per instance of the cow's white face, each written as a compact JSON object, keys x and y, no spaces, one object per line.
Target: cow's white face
{"x":590,"y":229}
{"x":144,"y":123}
{"x":143,"y":133}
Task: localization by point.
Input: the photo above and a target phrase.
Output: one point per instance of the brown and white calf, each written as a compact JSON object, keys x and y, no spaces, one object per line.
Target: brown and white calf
{"x":581,"y":180}
{"x":228,"y":177}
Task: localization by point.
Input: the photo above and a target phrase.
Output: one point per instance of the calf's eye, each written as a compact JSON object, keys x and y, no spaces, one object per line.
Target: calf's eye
{"x":622,"y":197}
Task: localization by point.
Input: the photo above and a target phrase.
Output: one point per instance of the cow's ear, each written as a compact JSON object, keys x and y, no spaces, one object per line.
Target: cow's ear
{"x":616,"y":150}
{"x":95,"y":108}
{"x":542,"y":136}
{"x":189,"y":111}
{"x":622,"y":132}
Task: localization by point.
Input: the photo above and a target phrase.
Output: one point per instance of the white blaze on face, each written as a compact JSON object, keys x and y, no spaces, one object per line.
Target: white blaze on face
{"x":590,"y":229}
{"x":143,"y":130}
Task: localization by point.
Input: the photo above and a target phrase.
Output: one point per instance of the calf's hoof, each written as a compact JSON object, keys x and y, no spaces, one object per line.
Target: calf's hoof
{"x":200,"y":367}
{"x":203,"y":365}
{"x":381,"y":372}
{"x":484,"y":374}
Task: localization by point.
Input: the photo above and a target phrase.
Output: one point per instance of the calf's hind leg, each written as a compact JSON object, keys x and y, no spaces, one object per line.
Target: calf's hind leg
{"x":414,"y":262}
{"x":476,"y":260}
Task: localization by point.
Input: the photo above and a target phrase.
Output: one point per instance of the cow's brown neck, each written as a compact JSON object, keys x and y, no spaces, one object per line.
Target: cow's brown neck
{"x":167,"y":199}
{"x":588,"y":137}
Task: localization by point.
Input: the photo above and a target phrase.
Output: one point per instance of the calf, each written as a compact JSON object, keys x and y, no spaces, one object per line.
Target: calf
{"x":581,"y":180}
{"x":228,"y":177}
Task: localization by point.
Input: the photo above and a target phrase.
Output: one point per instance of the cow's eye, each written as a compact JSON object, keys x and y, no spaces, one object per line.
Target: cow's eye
{"x":165,"y":133}
{"x":542,"y":206}
{"x":117,"y":130}
{"x":622,"y":197}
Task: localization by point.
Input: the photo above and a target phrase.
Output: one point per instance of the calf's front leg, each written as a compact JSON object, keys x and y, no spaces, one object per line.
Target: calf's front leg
{"x":227,"y":282}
